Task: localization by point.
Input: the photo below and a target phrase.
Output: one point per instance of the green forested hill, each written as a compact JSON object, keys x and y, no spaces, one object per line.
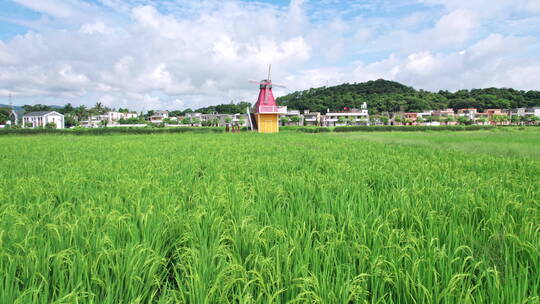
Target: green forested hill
{"x":383,"y":95}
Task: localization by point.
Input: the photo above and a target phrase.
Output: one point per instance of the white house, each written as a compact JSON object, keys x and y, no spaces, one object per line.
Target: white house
{"x":235,"y":119}
{"x":240,"y":119}
{"x":41,"y":119}
{"x":116,"y":116}
{"x":425,"y":114}
{"x":194,"y":115}
{"x":354,"y":116}
{"x":159,"y":116}
{"x":312,"y":118}
{"x":535,"y":111}
{"x":290,"y":114}
{"x":110,"y":117}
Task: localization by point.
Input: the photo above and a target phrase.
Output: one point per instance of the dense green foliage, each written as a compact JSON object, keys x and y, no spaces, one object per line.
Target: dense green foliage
{"x":38,"y":107}
{"x":73,"y":115}
{"x":314,"y":129}
{"x":381,"y":96}
{"x":273,"y":218}
{"x":4,"y":115}
{"x":230,"y":108}
{"x":132,"y":121}
{"x":410,"y":128}
{"x":389,"y":96}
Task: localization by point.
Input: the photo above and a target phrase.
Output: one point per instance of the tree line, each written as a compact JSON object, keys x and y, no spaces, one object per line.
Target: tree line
{"x":381,"y":95}
{"x":390,"y":96}
{"x":75,"y":114}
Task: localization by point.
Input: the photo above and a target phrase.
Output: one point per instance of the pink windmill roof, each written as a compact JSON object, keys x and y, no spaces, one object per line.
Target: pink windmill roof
{"x":266,"y":102}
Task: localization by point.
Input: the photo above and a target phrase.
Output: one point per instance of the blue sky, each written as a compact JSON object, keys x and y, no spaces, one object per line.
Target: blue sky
{"x":158,"y":54}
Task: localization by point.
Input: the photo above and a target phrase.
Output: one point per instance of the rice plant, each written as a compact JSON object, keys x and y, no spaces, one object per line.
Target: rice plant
{"x":276,"y":218}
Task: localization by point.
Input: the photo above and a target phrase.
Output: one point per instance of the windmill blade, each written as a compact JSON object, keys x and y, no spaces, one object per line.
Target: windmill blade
{"x":269,"y":71}
{"x":279,"y":85}
{"x":254,"y":81}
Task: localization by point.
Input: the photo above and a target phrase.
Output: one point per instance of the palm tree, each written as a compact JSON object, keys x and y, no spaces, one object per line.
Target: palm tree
{"x":99,"y":108}
{"x":81,"y":112}
{"x":68,"y":108}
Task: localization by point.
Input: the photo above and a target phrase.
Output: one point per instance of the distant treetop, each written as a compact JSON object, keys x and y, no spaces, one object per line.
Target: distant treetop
{"x":390,"y":96}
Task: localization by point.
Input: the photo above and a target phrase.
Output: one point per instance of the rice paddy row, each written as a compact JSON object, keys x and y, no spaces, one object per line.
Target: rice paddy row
{"x":278,"y":218}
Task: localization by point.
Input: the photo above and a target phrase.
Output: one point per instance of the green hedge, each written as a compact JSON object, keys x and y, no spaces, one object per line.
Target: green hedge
{"x":106,"y":131}
{"x":411,"y":128}
{"x":314,"y":130}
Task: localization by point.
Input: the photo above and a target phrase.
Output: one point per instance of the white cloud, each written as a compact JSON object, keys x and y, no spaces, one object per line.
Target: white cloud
{"x":158,"y":57}
{"x":95,"y":28}
{"x":167,"y":54}
{"x":489,"y":8}
{"x":454,"y":28}
{"x":492,"y":61}
{"x":57,"y":8}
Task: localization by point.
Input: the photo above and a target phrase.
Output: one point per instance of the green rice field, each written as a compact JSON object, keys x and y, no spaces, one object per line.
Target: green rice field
{"x":385,"y":217}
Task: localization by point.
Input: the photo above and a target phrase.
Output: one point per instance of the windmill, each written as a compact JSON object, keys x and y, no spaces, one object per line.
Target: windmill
{"x":266,"y":111}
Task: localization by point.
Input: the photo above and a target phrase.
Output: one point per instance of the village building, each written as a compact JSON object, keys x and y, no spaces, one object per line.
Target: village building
{"x":352,"y":117}
{"x":443,"y":113}
{"x":470,"y":113}
{"x":116,"y":116}
{"x":410,"y":118}
{"x":491,"y":112}
{"x":312,"y":118}
{"x":426,"y":113}
{"x":523,"y":112}
{"x":222,"y":120}
{"x":43,"y":119}
{"x":159,"y":116}
{"x":292,"y":118}
{"x":194,"y":115}
{"x":210,"y":117}
{"x":488,"y":113}
{"x":240,"y":119}
{"x":110,"y":118}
